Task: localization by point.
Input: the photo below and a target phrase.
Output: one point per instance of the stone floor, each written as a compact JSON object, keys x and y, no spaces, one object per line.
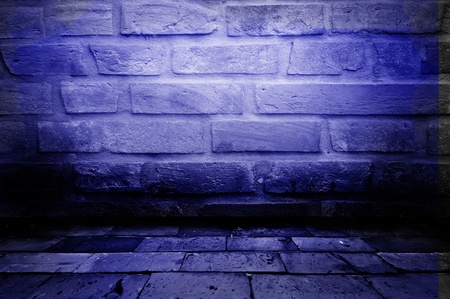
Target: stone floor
{"x":195,"y":259}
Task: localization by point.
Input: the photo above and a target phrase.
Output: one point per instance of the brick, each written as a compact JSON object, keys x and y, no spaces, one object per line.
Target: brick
{"x":154,"y":98}
{"x":81,"y":19}
{"x":131,"y":262}
{"x":76,"y":136}
{"x":128,"y":60}
{"x":89,"y":98}
{"x":197,"y":178}
{"x":197,"y":285}
{"x":182,"y":244}
{"x":167,"y":18}
{"x":325,"y":58}
{"x":408,"y":178}
{"x":332,"y":244}
{"x":49,"y":59}
{"x":12,"y":137}
{"x":445,"y":19}
{"x":233,"y":262}
{"x":430,"y":59}
{"x":396,"y":59}
{"x":21,"y":22}
{"x":106,"y":177}
{"x":438,"y":137}
{"x":385,"y":17}
{"x":275,"y":20}
{"x":314,"y":263}
{"x":42,"y":262}
{"x":372,"y":135}
{"x":260,"y":244}
{"x":407,"y":285}
{"x":240,"y":136}
{"x":25,"y":98}
{"x":444,"y":57}
{"x":322,"y":286}
{"x":318,"y":177}
{"x":243,"y":59}
{"x":357,"y":99}
{"x":155,"y":137}
{"x":444,"y":98}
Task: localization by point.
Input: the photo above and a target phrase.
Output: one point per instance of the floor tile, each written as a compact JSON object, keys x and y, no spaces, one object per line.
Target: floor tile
{"x":271,"y":231}
{"x":406,"y":286}
{"x":260,"y":243}
{"x":314,"y":263}
{"x":332,"y":244}
{"x":404,"y":244}
{"x":144,"y":230}
{"x":19,"y":286}
{"x":412,"y":261}
{"x":42,"y":262}
{"x":366,"y":262}
{"x":97,"y":244}
{"x":27,"y":244}
{"x":204,"y":230}
{"x":182,"y":244}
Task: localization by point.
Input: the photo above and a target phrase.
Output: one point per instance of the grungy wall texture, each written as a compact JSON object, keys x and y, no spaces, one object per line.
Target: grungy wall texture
{"x":224,"y":108}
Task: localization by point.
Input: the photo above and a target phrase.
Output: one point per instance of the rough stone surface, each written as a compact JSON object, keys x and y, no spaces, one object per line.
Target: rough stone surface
{"x":97,"y":244}
{"x":187,"y":98}
{"x":232,"y":262}
{"x":108,"y":177}
{"x":325,"y":58}
{"x":314,"y":263}
{"x":155,"y":137}
{"x":366,"y":262}
{"x":372,"y":135}
{"x":21,"y":285}
{"x":412,"y":261}
{"x":243,"y":59}
{"x":289,"y":286}
{"x":131,"y":262}
{"x":197,"y":178}
{"x":89,"y":98}
{"x":318,"y":177}
{"x":144,"y":230}
{"x":82,"y":136}
{"x":79,"y":19}
{"x":128,"y":60}
{"x":239,"y":136}
{"x":275,"y":20}
{"x":332,"y":244}
{"x":21,"y":22}
{"x":260,"y":244}
{"x":197,"y":285}
{"x":47,"y":59}
{"x":25,"y":98}
{"x":445,"y":18}
{"x":397,"y":59}
{"x":27,"y":244}
{"x":443,"y":55}
{"x":167,"y":18}
{"x":357,"y":99}
{"x":12,"y":137}
{"x":42,"y":262}
{"x":408,"y":17}
{"x":407,"y":285}
{"x":182,"y":244}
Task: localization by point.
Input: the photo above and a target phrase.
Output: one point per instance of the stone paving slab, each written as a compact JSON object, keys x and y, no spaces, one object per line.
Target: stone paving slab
{"x":92,"y":286}
{"x":366,"y":262}
{"x":70,"y":230}
{"x":326,"y":231}
{"x":131,"y":262}
{"x":19,"y":286}
{"x":233,"y":262}
{"x":386,"y":230}
{"x":414,"y":261}
{"x":407,"y":286}
{"x":261,"y":244}
{"x":42,"y":262}
{"x":332,"y":244}
{"x":406,"y":244}
{"x":27,"y":244}
{"x":97,"y":244}
{"x":203,"y":230}
{"x":311,"y":287}
{"x":197,"y":285}
{"x":314,"y":263}
{"x":182,"y":244}
{"x":271,"y":231}
{"x":144,"y":230}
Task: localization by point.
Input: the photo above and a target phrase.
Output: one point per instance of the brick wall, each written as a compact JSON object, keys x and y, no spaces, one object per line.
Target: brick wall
{"x":224,"y":108}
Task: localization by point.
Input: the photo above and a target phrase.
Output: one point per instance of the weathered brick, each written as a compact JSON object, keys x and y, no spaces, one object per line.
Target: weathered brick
{"x":128,"y":60}
{"x":372,"y":135}
{"x":275,"y":20}
{"x":438,"y":137}
{"x":197,"y":178}
{"x":408,"y":17}
{"x":361,"y":99}
{"x":21,"y":22}
{"x":445,"y":18}
{"x":54,"y":59}
{"x":396,"y":59}
{"x":25,"y":98}
{"x":76,"y":136}
{"x":325,"y":58}
{"x":108,"y":176}
{"x":156,"y":98}
{"x":444,"y":57}
{"x":89,"y":97}
{"x":444,"y":98}
{"x":240,"y":136}
{"x":430,"y":59}
{"x":408,"y":178}
{"x":156,"y":137}
{"x":167,"y":18}
{"x":79,"y":19}
{"x":243,"y":59}
{"x":12,"y":137}
{"x":318,"y":177}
